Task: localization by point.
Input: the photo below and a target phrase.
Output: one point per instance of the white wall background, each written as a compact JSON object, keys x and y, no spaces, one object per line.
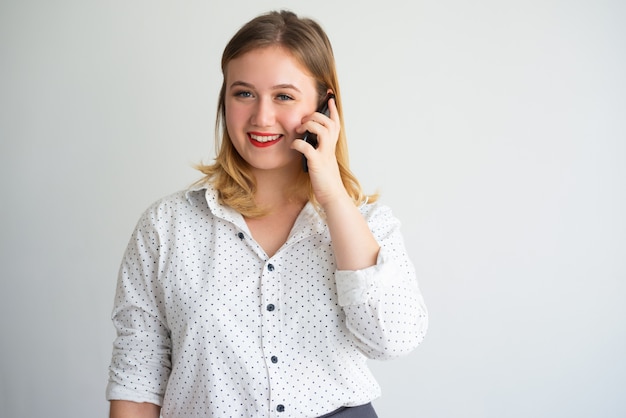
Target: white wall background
{"x":495,"y":129}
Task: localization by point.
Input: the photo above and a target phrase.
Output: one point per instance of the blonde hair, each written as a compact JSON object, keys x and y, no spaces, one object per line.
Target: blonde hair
{"x":307,"y":42}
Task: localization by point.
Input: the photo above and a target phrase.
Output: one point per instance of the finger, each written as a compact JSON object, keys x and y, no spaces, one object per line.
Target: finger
{"x":314,"y":126}
{"x":334,"y":112}
{"x":314,"y":121}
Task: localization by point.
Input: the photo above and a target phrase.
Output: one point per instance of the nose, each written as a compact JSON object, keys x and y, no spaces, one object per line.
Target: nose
{"x":263,"y":113}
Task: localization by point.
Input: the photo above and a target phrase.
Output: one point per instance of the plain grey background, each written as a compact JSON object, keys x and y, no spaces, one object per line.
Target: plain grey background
{"x":496,"y":130}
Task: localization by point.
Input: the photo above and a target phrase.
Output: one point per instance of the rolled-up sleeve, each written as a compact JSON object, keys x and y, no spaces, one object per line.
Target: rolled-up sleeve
{"x":140,"y":363}
{"x":384,"y":307}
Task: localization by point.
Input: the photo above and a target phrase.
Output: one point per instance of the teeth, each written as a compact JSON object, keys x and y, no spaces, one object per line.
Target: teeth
{"x":264,"y":138}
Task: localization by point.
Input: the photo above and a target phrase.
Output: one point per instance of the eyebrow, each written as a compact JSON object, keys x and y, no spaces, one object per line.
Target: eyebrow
{"x":276,"y":87}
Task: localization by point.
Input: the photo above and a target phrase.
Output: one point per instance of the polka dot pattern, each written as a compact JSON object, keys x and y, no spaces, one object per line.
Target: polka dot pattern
{"x":209,"y":325}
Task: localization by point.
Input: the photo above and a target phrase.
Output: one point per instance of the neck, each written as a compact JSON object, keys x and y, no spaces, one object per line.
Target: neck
{"x":275,"y":189}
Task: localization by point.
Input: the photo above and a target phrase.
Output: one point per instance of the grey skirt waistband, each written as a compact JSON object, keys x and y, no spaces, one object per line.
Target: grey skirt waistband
{"x":363,"y":411}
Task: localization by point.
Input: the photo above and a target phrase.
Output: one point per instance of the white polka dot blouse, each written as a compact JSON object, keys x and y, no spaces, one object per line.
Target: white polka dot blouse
{"x":209,"y":326}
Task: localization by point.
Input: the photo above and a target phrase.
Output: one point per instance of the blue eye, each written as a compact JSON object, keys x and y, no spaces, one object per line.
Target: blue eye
{"x":284,"y":97}
{"x":243,"y":93}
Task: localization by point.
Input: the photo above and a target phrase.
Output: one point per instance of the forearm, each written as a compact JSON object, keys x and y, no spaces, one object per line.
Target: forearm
{"x":353,"y":243}
{"x":128,"y":409}
{"x":384,"y":308}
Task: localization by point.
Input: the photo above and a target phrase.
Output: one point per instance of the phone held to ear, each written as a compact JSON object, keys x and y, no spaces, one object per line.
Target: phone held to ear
{"x":310,"y":137}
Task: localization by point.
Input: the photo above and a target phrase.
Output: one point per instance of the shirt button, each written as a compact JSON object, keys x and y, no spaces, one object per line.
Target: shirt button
{"x":270,"y":307}
{"x":270,"y":267}
{"x":274,"y":359}
{"x":240,"y":235}
{"x":280,"y":408}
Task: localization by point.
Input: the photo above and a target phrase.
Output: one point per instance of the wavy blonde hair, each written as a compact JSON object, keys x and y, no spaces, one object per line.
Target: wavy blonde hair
{"x":307,"y":42}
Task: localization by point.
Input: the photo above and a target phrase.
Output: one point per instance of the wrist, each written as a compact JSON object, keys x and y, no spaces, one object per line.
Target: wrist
{"x":335,"y":200}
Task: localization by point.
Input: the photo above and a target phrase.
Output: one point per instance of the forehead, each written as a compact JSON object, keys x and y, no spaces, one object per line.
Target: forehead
{"x":268,"y":64}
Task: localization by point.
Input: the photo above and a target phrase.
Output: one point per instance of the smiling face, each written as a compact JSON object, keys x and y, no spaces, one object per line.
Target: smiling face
{"x":267,"y":93}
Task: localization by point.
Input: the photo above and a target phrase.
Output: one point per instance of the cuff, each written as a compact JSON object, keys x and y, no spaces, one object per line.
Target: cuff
{"x":354,"y":286}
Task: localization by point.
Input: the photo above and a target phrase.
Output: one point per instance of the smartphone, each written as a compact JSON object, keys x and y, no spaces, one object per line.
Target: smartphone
{"x":310,"y":137}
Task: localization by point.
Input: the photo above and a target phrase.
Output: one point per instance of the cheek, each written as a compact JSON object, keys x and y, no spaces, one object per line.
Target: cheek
{"x":291,"y":121}
{"x":233,"y":113}
{"x":235,"y":118}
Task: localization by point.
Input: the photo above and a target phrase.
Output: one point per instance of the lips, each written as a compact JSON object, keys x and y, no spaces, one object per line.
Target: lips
{"x":263,"y":140}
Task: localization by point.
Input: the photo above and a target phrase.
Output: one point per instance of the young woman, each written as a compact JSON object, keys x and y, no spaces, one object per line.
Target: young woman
{"x":263,"y":289}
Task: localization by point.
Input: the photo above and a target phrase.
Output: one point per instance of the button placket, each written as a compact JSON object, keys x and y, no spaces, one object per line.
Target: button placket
{"x":270,"y":287}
